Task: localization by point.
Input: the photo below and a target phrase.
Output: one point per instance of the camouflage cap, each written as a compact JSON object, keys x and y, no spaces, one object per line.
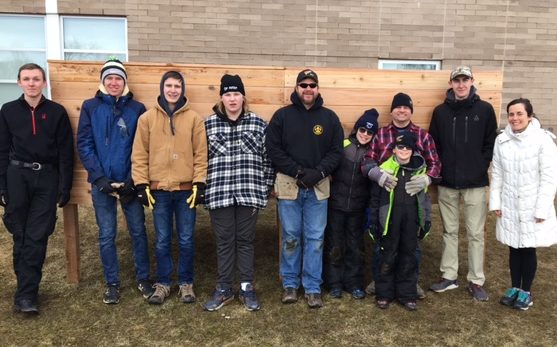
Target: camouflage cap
{"x":461,"y":71}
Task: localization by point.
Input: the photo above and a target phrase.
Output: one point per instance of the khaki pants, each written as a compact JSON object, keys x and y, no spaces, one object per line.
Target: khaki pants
{"x":475,"y":210}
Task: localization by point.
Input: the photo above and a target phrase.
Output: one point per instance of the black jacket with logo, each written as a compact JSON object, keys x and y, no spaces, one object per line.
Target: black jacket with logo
{"x":464,"y":133}
{"x":300,"y":138}
{"x":41,"y":134}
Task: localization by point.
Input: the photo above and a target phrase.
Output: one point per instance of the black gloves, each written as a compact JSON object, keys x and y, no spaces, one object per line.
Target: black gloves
{"x":127,"y":192}
{"x":3,"y":197}
{"x":63,"y":198}
{"x":423,"y":232}
{"x":197,"y":195}
{"x":308,"y":178}
{"x":104,"y":185}
{"x":144,"y":195}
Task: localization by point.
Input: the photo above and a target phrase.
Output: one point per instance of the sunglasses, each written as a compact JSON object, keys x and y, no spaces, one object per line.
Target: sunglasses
{"x":305,"y":85}
{"x":403,"y":148}
{"x":363,"y":130}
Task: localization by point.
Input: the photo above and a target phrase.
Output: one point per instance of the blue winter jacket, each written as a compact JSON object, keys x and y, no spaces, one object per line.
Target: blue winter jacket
{"x":105,"y":135}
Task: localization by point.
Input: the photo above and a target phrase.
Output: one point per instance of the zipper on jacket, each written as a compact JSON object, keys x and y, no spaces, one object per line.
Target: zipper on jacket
{"x":33,"y":121}
{"x":454,"y":130}
{"x":466,"y":129}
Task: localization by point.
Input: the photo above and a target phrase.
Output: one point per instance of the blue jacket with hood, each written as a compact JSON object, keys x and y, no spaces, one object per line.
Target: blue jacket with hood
{"x":105,"y":135}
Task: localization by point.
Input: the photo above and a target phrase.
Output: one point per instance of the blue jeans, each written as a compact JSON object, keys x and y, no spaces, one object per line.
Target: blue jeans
{"x":303,"y":225}
{"x":105,"y":213}
{"x":167,"y":205}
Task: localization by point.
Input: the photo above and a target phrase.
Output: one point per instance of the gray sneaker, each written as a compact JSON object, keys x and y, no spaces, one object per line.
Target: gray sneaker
{"x":370,"y":289}
{"x":420,"y":291}
{"x":444,"y":285}
{"x":477,"y":292}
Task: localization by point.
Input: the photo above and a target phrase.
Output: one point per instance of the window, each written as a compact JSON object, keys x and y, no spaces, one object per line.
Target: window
{"x":23,"y":41}
{"x":109,"y":39}
{"x":385,"y":64}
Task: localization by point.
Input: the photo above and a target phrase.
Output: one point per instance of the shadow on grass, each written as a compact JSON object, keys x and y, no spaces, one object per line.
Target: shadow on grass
{"x":75,"y":315}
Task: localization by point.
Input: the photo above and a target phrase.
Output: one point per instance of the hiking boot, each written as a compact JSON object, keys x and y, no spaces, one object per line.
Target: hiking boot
{"x":187,"y":296}
{"x":161,"y":292}
{"x":314,"y":300}
{"x":382,"y":304}
{"x":358,"y":294}
{"x":444,"y":285}
{"x":335,"y":293}
{"x":509,"y":297}
{"x":477,"y":292}
{"x":220,"y":298}
{"x":289,"y":295}
{"x":370,"y":289}
{"x":249,"y":299}
{"x":409,"y":305}
{"x":523,"y":301}
{"x":420,"y":292}
{"x":26,"y":306}
{"x":111,"y":295}
{"x":146,"y":288}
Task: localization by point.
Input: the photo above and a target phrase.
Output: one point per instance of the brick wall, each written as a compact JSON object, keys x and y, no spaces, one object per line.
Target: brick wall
{"x":517,"y":36}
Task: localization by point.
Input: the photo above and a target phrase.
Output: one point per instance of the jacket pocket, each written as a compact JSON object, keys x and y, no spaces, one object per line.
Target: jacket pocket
{"x":251,"y":143}
{"x":285,"y":187}
{"x":217,"y":145}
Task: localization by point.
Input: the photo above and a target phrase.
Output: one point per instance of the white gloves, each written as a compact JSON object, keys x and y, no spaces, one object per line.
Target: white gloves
{"x":417,"y":184}
{"x":383,"y":178}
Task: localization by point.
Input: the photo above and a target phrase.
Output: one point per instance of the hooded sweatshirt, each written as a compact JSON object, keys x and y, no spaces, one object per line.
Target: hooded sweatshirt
{"x":170,"y":151}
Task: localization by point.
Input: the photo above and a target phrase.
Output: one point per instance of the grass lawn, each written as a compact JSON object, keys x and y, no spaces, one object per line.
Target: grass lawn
{"x":75,"y":315}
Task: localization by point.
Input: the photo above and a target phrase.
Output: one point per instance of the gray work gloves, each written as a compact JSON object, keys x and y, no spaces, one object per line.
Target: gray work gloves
{"x":383,"y":178}
{"x":417,"y":183}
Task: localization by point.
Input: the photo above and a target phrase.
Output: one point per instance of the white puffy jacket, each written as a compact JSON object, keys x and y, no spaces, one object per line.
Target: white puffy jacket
{"x":523,"y":187}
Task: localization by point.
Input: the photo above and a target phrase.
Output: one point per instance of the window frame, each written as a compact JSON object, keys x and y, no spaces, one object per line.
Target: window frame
{"x":381,"y":64}
{"x":63,"y":49}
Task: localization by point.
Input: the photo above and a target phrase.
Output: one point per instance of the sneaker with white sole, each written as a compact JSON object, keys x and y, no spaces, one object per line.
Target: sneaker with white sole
{"x":477,"y":292}
{"x":509,"y":297}
{"x":523,"y":301}
{"x":444,"y":285}
{"x":111,"y":295}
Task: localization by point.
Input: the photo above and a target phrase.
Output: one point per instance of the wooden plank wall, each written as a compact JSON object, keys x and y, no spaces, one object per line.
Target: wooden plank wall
{"x":347,"y":91}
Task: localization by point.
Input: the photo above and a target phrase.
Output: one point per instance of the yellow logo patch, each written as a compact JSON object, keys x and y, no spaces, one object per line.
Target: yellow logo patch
{"x":318,"y":130}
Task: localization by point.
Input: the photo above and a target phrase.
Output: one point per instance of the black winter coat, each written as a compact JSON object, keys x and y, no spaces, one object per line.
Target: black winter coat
{"x":464,"y":133}
{"x":350,"y":190}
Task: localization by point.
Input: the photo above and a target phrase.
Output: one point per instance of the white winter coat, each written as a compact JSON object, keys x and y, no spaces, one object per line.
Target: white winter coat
{"x":523,"y":187}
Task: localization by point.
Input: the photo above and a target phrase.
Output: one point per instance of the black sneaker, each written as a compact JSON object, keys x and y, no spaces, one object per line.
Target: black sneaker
{"x":220,"y":298}
{"x":26,"y":306}
{"x":111,"y":295}
{"x":146,"y":288}
{"x":249,"y":299}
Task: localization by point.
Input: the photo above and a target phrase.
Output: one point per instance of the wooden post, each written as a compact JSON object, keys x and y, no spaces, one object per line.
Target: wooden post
{"x":71,"y":238}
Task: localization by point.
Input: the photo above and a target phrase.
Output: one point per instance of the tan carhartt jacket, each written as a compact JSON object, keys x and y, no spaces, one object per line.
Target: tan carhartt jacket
{"x":168,"y":161}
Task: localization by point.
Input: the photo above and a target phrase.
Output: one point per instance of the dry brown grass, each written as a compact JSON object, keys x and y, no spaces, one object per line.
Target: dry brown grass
{"x":75,"y":315}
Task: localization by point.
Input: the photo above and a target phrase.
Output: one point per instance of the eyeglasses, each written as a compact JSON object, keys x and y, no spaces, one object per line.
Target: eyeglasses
{"x":363,"y":130}
{"x":403,"y":148}
{"x":305,"y":85}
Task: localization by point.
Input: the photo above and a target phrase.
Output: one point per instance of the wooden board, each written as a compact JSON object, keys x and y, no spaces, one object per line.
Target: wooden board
{"x":349,"y":92}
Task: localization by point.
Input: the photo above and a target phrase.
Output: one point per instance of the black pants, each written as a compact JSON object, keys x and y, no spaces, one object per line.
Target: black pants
{"x":397,"y":273}
{"x":523,"y":263}
{"x":234,"y":229}
{"x":30,"y":217}
{"x":344,"y":249}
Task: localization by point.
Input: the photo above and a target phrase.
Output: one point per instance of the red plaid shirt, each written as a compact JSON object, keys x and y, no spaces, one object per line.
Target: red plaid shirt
{"x":382,"y":149}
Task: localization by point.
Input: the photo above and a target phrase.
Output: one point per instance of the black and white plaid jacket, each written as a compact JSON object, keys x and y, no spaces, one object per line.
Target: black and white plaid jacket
{"x":239,"y":171}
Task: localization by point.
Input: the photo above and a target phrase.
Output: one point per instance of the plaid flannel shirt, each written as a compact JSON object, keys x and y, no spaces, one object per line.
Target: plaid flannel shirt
{"x":239,"y":171}
{"x":382,"y":149}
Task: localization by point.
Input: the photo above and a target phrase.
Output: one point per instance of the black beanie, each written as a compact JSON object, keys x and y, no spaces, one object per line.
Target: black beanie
{"x":229,"y":83}
{"x":368,"y":120}
{"x":402,"y":99}
{"x":407,"y":139}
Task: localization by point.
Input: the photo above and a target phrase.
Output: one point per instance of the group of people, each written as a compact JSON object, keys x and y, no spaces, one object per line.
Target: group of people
{"x":329,"y":189}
